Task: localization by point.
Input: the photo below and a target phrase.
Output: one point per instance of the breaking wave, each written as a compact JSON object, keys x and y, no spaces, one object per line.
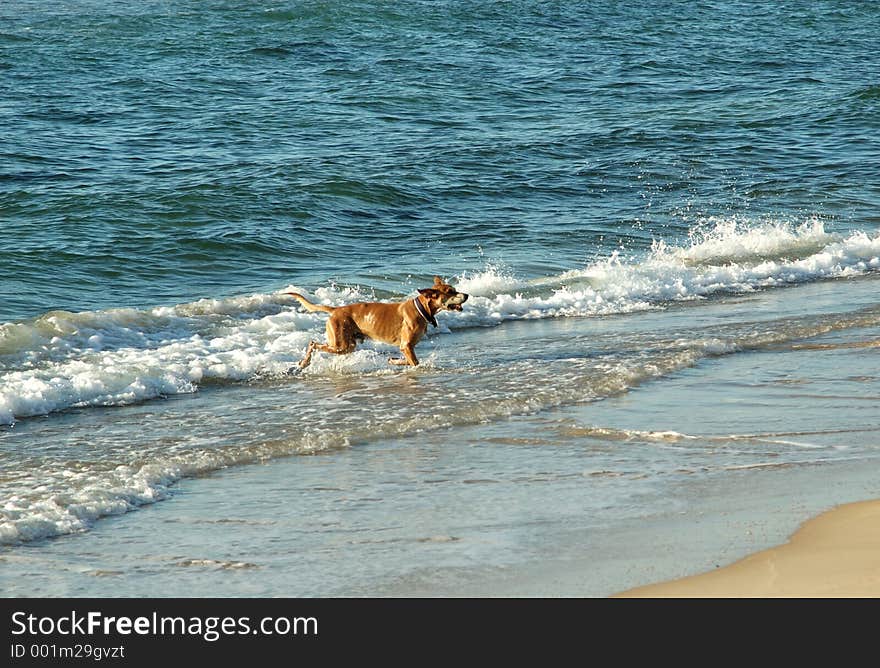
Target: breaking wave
{"x":63,"y":360}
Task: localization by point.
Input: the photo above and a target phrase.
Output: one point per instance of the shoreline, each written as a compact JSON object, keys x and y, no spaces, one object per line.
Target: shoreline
{"x":833,"y":555}
{"x":223,"y":536}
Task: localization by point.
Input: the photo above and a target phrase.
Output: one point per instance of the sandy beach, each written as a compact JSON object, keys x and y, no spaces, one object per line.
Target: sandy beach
{"x":836,"y":554}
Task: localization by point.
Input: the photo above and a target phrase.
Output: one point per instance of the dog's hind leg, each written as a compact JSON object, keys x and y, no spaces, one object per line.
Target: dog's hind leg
{"x":314,"y":345}
{"x":308,"y":358}
{"x":339,"y":342}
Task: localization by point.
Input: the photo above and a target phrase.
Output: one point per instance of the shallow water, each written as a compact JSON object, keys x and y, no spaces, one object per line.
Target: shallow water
{"x":430,"y":492}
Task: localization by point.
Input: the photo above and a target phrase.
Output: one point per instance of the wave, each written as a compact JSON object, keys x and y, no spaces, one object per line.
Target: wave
{"x":52,"y":494}
{"x":52,"y":497}
{"x":723,"y":257}
{"x":64,"y":489}
{"x":65,"y":360}
{"x":65,"y":499}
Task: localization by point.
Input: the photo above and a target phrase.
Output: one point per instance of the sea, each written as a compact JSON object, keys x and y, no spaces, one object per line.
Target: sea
{"x":666,"y":215}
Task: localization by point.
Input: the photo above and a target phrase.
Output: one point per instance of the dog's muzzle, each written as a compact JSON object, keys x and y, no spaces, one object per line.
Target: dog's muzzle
{"x":455,"y":303}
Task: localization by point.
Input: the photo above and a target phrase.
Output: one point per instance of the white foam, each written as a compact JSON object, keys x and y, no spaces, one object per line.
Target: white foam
{"x":727,"y":258}
{"x":125,"y":356}
{"x":68,"y":499}
{"x":121,"y":356}
{"x":491,"y":281}
{"x":726,"y":240}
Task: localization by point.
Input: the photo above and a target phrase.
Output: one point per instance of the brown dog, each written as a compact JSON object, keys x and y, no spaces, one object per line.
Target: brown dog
{"x":401,"y":323}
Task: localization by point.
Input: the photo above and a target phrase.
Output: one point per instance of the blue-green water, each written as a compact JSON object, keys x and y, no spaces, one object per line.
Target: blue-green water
{"x":160,"y":152}
{"x":631,"y":193}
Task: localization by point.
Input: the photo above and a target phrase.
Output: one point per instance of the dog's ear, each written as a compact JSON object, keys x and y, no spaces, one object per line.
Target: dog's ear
{"x":439,"y":281}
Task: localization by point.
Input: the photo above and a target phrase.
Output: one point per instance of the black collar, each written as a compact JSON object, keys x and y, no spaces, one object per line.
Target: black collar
{"x":422,"y":312}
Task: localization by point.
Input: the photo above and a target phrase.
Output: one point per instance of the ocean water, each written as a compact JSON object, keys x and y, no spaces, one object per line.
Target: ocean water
{"x":665,"y":213}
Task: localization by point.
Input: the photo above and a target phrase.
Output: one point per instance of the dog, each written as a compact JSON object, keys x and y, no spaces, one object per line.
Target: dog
{"x":401,"y":324}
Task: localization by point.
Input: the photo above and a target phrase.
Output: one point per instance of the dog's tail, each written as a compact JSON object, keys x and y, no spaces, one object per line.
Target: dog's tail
{"x":309,"y":306}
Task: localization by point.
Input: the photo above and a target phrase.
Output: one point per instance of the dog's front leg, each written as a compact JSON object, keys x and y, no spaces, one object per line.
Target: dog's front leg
{"x":409,"y":355}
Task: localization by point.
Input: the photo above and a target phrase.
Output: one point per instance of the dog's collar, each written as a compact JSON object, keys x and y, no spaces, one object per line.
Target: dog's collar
{"x":422,"y":312}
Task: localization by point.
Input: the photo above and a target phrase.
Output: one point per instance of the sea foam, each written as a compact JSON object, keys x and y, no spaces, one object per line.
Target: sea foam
{"x":121,"y":356}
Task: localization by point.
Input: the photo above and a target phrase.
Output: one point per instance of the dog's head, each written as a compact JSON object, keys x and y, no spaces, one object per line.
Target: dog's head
{"x":443,"y":296}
